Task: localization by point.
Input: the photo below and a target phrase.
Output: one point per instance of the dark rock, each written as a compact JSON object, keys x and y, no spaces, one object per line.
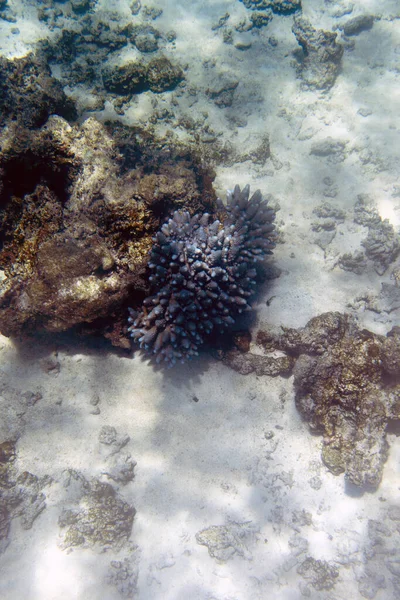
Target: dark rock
{"x":321,"y":59}
{"x":222,"y":90}
{"x":124,"y":575}
{"x":356,"y":262}
{"x":21,"y":493}
{"x":365,"y":212}
{"x":260,"y":19}
{"x":29,"y":94}
{"x":146,"y":42}
{"x":242,"y":340}
{"x":76,"y":229}
{"x":333,"y":149}
{"x":100,"y":518}
{"x":344,"y":394}
{"x":319,"y":573}
{"x":162,"y":75}
{"x":81,"y":6}
{"x":280,"y":7}
{"x":329,"y":211}
{"x":260,"y":365}
{"x":128,"y":79}
{"x":159,"y":75}
{"x":382,"y":245}
{"x":347,"y":384}
{"x":358,"y":24}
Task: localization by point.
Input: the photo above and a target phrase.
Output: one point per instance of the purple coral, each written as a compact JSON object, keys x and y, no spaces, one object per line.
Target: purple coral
{"x":202,"y":275}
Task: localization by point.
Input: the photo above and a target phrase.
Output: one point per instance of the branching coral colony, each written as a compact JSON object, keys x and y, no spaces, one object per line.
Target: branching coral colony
{"x":202,"y":275}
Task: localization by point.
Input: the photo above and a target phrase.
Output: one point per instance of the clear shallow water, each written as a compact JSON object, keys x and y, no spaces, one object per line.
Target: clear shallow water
{"x":232,"y":497}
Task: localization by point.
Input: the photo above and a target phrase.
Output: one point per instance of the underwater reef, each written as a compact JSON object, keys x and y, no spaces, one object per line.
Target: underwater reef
{"x":347,"y":388}
{"x":202,"y":275}
{"x":76,"y":229}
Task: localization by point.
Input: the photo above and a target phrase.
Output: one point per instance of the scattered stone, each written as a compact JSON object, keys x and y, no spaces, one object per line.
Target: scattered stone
{"x":242,"y":340}
{"x":253,"y":363}
{"x":358,"y":24}
{"x":315,"y":482}
{"x":221,"y":22}
{"x":50,"y":365}
{"x":382,"y":246}
{"x":81,"y":6}
{"x":365,"y":211}
{"x":301,"y":518}
{"x":260,"y":19}
{"x":225,"y":541}
{"x":334,"y":150}
{"x":321,"y":59}
{"x":344,"y":395}
{"x":124,"y":574}
{"x":135,"y":7}
{"x":223,"y":89}
{"x":100,"y":518}
{"x":21,"y":493}
{"x":347,"y":384}
{"x":121,"y":469}
{"x":364,"y":112}
{"x":109,"y":437}
{"x":356,"y":262}
{"x":29,"y":94}
{"x":146,"y":42}
{"x":329,"y":211}
{"x":280,"y":7}
{"x":162,"y":75}
{"x":320,"y":574}
{"x":159,"y":75}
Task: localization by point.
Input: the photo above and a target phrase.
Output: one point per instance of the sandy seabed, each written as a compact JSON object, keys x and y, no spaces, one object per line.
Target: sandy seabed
{"x":233,"y":501}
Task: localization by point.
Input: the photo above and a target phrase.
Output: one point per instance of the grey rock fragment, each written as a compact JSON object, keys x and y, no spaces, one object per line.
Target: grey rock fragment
{"x":358,"y":24}
{"x":334,"y":150}
{"x":319,"y":573}
{"x":123,"y":574}
{"x":365,"y":211}
{"x":321,"y":60}
{"x":100,"y":517}
{"x":326,"y":210}
{"x":121,"y":469}
{"x":225,"y":541}
{"x":356,"y":262}
{"x":370,"y":583}
{"x":109,"y":437}
{"x":382,"y":246}
{"x":222,"y":90}
{"x":280,"y":7}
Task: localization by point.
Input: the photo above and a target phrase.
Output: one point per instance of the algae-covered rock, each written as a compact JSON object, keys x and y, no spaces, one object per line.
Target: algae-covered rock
{"x":349,"y":393}
{"x":79,"y":208}
{"x":99,"y":517}
{"x":347,"y":388}
{"x":321,"y":59}
{"x":28,"y":92}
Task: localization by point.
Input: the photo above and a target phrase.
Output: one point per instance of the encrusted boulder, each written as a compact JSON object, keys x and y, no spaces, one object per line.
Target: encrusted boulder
{"x":79,"y":207}
{"x":321,"y":58}
{"x":347,"y":388}
{"x":28,"y":92}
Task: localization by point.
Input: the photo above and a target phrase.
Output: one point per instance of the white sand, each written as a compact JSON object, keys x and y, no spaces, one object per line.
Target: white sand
{"x":213,"y":462}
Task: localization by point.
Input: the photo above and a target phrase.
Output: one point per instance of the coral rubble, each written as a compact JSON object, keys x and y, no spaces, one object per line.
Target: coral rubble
{"x":321,"y":60}
{"x":203,"y":275}
{"x":347,"y":385}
